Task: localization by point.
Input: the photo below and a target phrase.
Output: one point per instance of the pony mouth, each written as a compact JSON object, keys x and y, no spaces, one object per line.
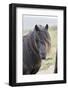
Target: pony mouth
{"x":43,"y":57}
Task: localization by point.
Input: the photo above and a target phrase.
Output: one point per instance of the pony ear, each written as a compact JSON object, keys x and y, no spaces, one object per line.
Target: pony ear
{"x":46,"y":27}
{"x":36,"y":27}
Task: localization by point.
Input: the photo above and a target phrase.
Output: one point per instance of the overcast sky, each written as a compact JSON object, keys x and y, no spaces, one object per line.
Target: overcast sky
{"x":29,"y":21}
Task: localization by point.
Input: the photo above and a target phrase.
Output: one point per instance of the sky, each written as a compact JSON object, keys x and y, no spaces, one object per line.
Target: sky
{"x":29,"y":21}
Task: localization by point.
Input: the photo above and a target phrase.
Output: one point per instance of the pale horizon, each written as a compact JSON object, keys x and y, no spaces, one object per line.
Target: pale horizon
{"x":29,"y":21}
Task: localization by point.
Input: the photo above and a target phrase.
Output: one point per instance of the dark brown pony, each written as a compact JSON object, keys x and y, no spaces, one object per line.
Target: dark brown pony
{"x":36,"y":44}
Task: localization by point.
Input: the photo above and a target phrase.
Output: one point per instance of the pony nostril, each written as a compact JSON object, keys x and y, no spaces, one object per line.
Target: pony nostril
{"x":43,"y":54}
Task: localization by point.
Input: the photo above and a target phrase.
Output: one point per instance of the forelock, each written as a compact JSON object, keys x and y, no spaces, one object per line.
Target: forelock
{"x":41,"y":27}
